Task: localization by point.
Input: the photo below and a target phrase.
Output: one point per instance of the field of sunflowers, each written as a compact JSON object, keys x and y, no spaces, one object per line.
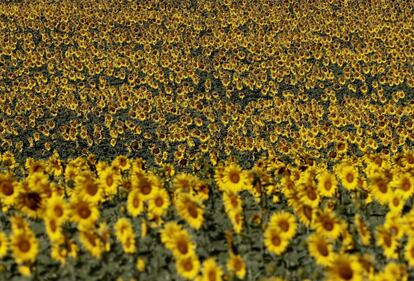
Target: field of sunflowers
{"x":206,"y":140}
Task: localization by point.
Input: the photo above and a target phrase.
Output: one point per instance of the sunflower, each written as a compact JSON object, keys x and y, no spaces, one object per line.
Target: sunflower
{"x":83,"y":212}
{"x":308,"y":195}
{"x":181,"y":245}
{"x":39,"y":182}
{"x":396,"y":202}
{"x":146,"y":184}
{"x":389,"y":244}
{"x":201,"y":190}
{"x":128,"y":243}
{"x":159,"y":202}
{"x":123,"y":228}
{"x":122,"y":162}
{"x":190,"y":210}
{"x":344,"y":267}
{"x":4,"y":244}
{"x":53,"y":230}
{"x":188,"y":267}
{"x":395,"y":224}
{"x":56,"y":207}
{"x":348,"y":174}
{"x":140,"y":264}
{"x":25,"y":246}
{"x":232,"y":178}
{"x":327,"y":184}
{"x":285,"y":222}
{"x":135,"y":205}
{"x":183,"y":182}
{"x":30,"y":202}
{"x":109,"y":180}
{"x":211,"y":270}
{"x":236,"y":219}
{"x":305,"y":213}
{"x":9,"y":189}
{"x":91,"y":242}
{"x":236,"y":265}
{"x":405,"y":183}
{"x":320,"y":248}
{"x":232,"y":202}
{"x":274,"y":241}
{"x":408,"y":252}
{"x":363,"y":231}
{"x":86,"y":185}
{"x":380,"y":188}
{"x":169,"y":231}
{"x":327,"y":224}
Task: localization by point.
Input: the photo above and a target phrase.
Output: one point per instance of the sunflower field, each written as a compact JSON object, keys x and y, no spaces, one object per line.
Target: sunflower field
{"x":206,"y":140}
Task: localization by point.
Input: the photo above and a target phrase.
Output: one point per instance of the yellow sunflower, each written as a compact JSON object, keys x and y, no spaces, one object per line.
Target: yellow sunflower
{"x":183,"y":182}
{"x":159,"y":202}
{"x":409,"y":252}
{"x":363,"y":231}
{"x":211,"y":270}
{"x":348,"y":175}
{"x":92,"y":243}
{"x":387,"y":242}
{"x":405,"y":183}
{"x":53,"y":230}
{"x":4,"y":244}
{"x":327,"y":184}
{"x":344,"y":267}
{"x":380,"y":188}
{"x":232,"y":202}
{"x":135,"y":204}
{"x":285,"y":222}
{"x":86,"y":185}
{"x":109,"y":180}
{"x":9,"y":189}
{"x":274,"y":241}
{"x":123,"y":228}
{"x":236,"y":265}
{"x":56,"y":207}
{"x":83,"y":212}
{"x":30,"y":202}
{"x":146,"y":183}
{"x":122,"y":162}
{"x":168,"y":232}
{"x":321,"y":249}
{"x":181,"y":245}
{"x":233,"y":178}
{"x":188,"y":267}
{"x":396,"y":202}
{"x":327,"y":224}
{"x":236,"y":219}
{"x":25,"y":246}
{"x":191,"y":210}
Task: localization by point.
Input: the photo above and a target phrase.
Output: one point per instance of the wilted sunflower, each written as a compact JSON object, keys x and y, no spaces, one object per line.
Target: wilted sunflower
{"x":236,"y":265}
{"x":188,"y":267}
{"x":211,"y":270}
{"x":344,"y":267}
{"x":321,"y":249}
{"x":4,"y":244}
{"x":25,"y":246}
{"x":135,"y":204}
{"x":190,"y":210}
